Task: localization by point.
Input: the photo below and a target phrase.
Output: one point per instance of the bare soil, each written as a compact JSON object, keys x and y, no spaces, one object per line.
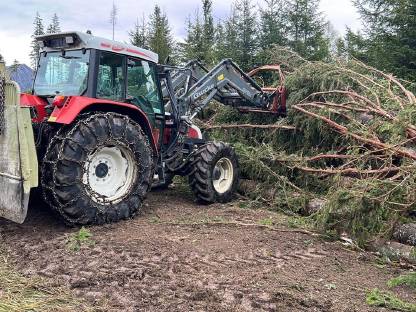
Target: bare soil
{"x":179,"y":256}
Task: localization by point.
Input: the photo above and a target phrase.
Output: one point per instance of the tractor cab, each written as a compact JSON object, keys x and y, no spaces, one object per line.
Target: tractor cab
{"x":75,"y":64}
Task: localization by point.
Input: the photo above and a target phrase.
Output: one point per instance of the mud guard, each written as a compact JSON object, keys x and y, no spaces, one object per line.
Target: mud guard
{"x":18,"y":159}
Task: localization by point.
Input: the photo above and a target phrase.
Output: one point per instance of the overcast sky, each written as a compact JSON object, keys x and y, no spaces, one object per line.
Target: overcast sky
{"x":16,"y":18}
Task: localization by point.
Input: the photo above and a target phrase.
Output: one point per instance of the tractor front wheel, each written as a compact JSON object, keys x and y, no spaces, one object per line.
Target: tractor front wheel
{"x":97,"y":171}
{"x":215,"y":173}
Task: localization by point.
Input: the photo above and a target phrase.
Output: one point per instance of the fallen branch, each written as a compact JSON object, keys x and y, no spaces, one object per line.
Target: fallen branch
{"x":282,"y":127}
{"x":353,"y":172}
{"x":329,"y":156}
{"x":344,"y":130}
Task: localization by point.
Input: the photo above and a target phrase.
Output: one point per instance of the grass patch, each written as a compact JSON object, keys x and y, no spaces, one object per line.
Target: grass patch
{"x":388,"y":300}
{"x":403,"y":280}
{"x":267,"y":221}
{"x":79,"y":239}
{"x":22,"y":294}
{"x":295,"y":222}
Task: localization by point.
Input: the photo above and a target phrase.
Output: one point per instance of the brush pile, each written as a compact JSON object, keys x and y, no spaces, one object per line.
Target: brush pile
{"x":345,"y":154}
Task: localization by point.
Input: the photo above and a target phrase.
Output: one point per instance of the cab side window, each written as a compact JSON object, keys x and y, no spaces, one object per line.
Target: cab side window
{"x":142,"y":85}
{"x":110,"y":77}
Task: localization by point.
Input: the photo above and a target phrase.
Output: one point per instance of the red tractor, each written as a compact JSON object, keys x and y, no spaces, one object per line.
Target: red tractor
{"x":109,"y":123}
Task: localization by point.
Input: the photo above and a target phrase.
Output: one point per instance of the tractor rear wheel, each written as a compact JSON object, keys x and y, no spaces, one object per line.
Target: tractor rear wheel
{"x":98,"y":170}
{"x":215,"y":173}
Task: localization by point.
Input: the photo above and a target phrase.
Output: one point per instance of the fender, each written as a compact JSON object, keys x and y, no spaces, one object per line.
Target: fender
{"x":75,"y":105}
{"x":39,"y":104}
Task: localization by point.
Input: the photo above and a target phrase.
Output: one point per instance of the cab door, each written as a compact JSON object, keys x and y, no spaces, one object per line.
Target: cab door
{"x":143,"y":90}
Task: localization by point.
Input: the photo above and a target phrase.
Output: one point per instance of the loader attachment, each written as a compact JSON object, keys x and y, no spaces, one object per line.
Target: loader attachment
{"x":18,"y":159}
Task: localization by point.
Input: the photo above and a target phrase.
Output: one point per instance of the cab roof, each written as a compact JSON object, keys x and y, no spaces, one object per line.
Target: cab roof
{"x":71,"y":40}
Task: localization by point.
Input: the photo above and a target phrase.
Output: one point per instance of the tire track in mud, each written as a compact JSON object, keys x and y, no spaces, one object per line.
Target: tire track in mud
{"x":146,"y":265}
{"x":177,"y":276}
{"x":135,"y":273}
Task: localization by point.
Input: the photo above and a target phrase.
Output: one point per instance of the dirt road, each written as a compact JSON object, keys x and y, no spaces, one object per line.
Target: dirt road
{"x":177,"y":256}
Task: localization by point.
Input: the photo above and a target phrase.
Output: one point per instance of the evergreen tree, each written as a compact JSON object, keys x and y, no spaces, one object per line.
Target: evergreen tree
{"x":138,"y":34}
{"x":193,"y":46}
{"x":219,"y":46}
{"x":273,"y":24}
{"x":227,"y":44}
{"x":390,"y":35}
{"x":38,"y":30}
{"x":200,"y":38}
{"x":340,"y":48}
{"x":54,"y":27}
{"x":113,"y":17}
{"x":208,"y":29}
{"x":353,"y":45}
{"x":306,"y":29}
{"x":247,"y":43}
{"x":160,"y":38}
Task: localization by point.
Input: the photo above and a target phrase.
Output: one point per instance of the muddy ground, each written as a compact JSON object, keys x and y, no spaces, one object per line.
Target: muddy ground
{"x":178,"y":256}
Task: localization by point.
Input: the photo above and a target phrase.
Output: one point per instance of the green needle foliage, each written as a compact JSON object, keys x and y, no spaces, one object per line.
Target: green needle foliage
{"x":388,"y":300}
{"x":81,"y":238}
{"x":347,"y":139}
{"x":404,"y":280}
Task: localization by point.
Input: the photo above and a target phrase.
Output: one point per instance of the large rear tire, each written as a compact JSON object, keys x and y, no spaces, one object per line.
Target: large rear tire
{"x":215,"y":173}
{"x":98,"y":170}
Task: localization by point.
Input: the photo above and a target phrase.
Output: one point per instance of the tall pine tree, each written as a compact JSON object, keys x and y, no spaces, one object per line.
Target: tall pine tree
{"x":208,"y":30}
{"x":247,"y":40}
{"x":38,"y":30}
{"x":390,"y":32}
{"x":113,"y":17}
{"x":54,"y":27}
{"x":353,"y":45}
{"x":307,"y":28}
{"x":200,"y":38}
{"x":138,"y":36}
{"x":160,"y":37}
{"x":227,"y":45}
{"x":193,"y":45}
{"x":273,"y":23}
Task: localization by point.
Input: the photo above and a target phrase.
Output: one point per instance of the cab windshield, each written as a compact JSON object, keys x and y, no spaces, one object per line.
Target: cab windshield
{"x":62,"y":73}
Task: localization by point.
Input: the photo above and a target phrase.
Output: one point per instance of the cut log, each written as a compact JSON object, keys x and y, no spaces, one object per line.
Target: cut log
{"x":396,"y":251}
{"x":406,"y":234}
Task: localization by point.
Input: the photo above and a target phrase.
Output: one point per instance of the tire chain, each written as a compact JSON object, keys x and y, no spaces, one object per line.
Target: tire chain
{"x":64,"y":134}
{"x":2,"y":104}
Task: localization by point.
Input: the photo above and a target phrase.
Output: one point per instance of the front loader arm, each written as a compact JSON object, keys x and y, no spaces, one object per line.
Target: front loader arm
{"x":227,"y":84}
{"x":182,"y":79}
{"x":187,"y":91}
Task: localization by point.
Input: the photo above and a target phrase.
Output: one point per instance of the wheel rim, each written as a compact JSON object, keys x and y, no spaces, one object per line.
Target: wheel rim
{"x":223,"y":175}
{"x":109,"y":174}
